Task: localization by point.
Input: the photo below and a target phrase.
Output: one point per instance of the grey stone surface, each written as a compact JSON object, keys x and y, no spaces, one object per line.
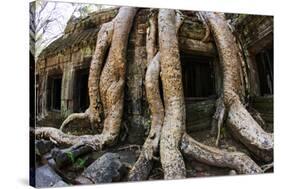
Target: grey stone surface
{"x":108,"y":168}
{"x":60,"y":184}
{"x":69,"y":155}
{"x":46,"y":177}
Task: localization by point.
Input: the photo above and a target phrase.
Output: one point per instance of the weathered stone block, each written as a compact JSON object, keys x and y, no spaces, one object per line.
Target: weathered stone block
{"x":108,"y":168}
{"x":46,"y":177}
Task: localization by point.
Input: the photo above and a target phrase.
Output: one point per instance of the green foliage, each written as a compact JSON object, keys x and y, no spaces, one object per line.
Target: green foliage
{"x":70,"y":156}
{"x":80,"y":163}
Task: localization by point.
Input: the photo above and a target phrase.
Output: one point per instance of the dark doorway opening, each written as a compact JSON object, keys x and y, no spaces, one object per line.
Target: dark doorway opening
{"x":54,"y":92}
{"x":37,"y":94}
{"x":265,"y":64}
{"x":198,"y":77}
{"x":81,"y":96}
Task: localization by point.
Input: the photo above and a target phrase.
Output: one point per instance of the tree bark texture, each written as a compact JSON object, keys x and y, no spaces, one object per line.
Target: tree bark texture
{"x":168,"y":115}
{"x":171,"y":77}
{"x":144,"y":164}
{"x":110,"y":86}
{"x":219,"y":158}
{"x":240,"y":122}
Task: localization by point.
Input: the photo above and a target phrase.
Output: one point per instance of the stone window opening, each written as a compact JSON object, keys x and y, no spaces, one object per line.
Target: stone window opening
{"x":37,"y":93}
{"x":264,"y":60}
{"x":81,"y":96}
{"x":198,"y":77}
{"x":54,"y":92}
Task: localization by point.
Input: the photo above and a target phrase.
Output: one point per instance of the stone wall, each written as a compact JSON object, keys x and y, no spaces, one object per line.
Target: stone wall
{"x":136,"y":113}
{"x":265,"y":106}
{"x":255,"y":32}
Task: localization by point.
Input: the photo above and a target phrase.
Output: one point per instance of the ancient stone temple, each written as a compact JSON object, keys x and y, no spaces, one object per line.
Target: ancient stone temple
{"x":62,"y":71}
{"x":130,"y":94}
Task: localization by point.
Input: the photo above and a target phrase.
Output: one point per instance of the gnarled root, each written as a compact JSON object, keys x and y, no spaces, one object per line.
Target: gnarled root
{"x":267,"y":167}
{"x":151,"y":36}
{"x":257,"y":116}
{"x":104,"y":40}
{"x":249,"y":132}
{"x":219,"y":158}
{"x":67,"y":140}
{"x":74,"y":116}
{"x":112,"y":82}
{"x":112,"y":79}
{"x":218,"y":118}
{"x":174,"y":120}
{"x":143,"y":166}
{"x":94,"y":112}
{"x":240,"y":122}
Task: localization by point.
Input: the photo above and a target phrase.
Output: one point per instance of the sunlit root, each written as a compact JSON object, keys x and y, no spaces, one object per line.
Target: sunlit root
{"x":94,"y":112}
{"x":219,"y":158}
{"x":143,"y":166}
{"x":112,"y":82}
{"x":171,"y":77}
{"x":239,"y":120}
{"x":218,"y":118}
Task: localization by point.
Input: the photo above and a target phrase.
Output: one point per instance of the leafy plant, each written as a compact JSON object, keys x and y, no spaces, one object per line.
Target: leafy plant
{"x":70,"y":156}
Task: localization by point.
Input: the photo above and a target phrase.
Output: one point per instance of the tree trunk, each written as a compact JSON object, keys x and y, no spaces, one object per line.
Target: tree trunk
{"x":111,"y":85}
{"x":144,"y":164}
{"x":240,"y":122}
{"x":112,"y":79}
{"x":94,"y":112}
{"x":171,"y":76}
{"x":103,"y":43}
{"x":168,"y":115}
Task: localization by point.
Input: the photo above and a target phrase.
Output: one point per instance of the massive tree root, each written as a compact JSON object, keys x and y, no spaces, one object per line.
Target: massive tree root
{"x":167,"y":132}
{"x":94,"y":112}
{"x":151,"y":36}
{"x":110,"y":88}
{"x":240,"y":122}
{"x":175,"y":116}
{"x":144,"y":164}
{"x":219,"y":158}
{"x":170,"y":156}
